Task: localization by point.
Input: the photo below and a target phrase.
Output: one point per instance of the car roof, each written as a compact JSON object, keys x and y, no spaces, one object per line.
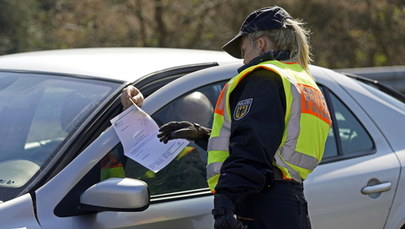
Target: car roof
{"x":124,"y":64}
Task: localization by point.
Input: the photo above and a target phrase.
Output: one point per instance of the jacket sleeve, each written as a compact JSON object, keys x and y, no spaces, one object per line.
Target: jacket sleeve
{"x":258,"y":108}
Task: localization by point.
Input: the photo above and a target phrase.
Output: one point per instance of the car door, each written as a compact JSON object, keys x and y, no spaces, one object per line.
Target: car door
{"x":356,"y":182}
{"x":179,"y":194}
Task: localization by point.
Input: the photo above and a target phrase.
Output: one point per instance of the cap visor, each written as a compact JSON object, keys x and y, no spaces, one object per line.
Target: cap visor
{"x":233,"y":46}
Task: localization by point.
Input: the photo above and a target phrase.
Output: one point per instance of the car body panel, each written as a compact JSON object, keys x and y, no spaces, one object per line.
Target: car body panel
{"x":396,"y":218}
{"x":334,"y":188}
{"x":19,"y":213}
{"x":188,"y":213}
{"x":335,"y":198}
{"x":49,"y":195}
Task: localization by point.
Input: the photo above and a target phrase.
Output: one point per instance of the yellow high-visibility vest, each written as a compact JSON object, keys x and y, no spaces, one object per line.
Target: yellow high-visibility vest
{"x":307,"y":123}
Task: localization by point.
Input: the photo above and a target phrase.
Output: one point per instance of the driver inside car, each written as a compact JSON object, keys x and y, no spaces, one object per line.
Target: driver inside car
{"x":194,"y":107}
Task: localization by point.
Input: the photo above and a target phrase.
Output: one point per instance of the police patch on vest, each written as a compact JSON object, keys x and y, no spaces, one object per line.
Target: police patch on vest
{"x":242,"y":108}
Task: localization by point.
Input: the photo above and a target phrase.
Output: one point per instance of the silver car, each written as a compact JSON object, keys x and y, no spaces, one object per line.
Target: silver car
{"x":55,"y":135}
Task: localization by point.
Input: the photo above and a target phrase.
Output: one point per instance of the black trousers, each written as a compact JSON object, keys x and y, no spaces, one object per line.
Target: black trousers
{"x":282,"y":206}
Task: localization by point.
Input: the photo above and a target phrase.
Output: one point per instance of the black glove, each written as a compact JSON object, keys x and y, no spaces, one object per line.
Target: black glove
{"x":183,"y":129}
{"x":224,"y":215}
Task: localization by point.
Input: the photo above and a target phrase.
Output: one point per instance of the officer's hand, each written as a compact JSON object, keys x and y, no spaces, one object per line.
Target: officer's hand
{"x":224,"y":215}
{"x":131,"y":93}
{"x":183,"y":129}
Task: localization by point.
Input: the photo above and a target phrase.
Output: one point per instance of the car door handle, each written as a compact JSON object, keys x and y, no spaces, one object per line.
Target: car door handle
{"x":377,"y":188}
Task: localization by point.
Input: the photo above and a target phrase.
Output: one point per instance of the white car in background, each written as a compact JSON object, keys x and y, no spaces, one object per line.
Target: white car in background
{"x":55,"y":108}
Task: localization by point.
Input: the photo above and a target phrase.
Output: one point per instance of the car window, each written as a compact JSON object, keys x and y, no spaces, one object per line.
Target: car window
{"x":187,"y":171}
{"x":347,"y":136}
{"x":37,"y":113}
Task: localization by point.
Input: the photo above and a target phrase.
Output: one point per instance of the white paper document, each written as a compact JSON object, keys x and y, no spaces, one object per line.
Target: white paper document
{"x":137,"y":132}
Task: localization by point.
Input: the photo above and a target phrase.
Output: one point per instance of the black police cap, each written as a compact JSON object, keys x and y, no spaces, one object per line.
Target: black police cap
{"x":264,"y":19}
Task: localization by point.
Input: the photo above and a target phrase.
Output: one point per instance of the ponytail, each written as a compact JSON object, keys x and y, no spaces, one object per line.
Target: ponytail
{"x":302,"y":47}
{"x":293,"y":38}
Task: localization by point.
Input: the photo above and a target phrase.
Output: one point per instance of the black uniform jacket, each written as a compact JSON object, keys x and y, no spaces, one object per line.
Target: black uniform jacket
{"x":258,"y":108}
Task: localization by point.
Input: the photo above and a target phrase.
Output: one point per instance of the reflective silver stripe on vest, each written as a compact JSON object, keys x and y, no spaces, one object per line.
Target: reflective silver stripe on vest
{"x":221,"y":142}
{"x":287,"y":151}
{"x":293,"y":130}
{"x":213,"y":169}
{"x":299,"y":159}
{"x":294,"y":174}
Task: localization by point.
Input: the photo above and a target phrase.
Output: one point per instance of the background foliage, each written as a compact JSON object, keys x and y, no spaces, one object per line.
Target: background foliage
{"x":345,"y":33}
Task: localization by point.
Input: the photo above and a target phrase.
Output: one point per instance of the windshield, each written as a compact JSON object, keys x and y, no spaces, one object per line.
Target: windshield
{"x":37,"y":113}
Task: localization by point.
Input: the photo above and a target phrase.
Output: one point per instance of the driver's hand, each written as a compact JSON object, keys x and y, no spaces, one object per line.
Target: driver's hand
{"x":131,"y":93}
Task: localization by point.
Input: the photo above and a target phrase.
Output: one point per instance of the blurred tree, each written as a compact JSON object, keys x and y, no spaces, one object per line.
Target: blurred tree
{"x":345,"y":33}
{"x":387,"y":32}
{"x":20,"y":29}
{"x":360,"y":33}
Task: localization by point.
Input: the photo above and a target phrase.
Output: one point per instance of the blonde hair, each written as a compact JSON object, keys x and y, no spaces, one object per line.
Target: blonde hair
{"x":295,"y":38}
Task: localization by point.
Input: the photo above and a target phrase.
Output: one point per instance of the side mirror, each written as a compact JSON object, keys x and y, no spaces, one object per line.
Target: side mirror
{"x":116,"y":194}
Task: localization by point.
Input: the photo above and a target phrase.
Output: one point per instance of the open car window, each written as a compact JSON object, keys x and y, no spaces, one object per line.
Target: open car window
{"x":187,"y":171}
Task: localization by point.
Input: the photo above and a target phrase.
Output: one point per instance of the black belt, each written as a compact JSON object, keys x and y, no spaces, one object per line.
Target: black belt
{"x":277,"y":174}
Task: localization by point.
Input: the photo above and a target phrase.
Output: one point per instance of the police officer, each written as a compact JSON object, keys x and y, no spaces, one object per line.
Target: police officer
{"x":269,"y":130}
